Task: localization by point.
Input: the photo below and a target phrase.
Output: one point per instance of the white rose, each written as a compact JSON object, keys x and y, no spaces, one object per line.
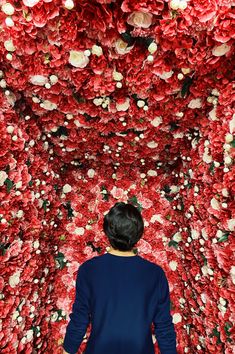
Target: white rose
{"x":30,"y":3}
{"x":14,"y":279}
{"x":91,"y":173}
{"x":173,"y":265}
{"x":177,"y":237}
{"x":220,"y":50}
{"x":152,"y":144}
{"x":166,"y":75}
{"x":69,"y":4}
{"x":48,"y":105}
{"x":78,"y":59}
{"x":96,"y":50}
{"x":123,"y":106}
{"x":195,"y":103}
{"x":152,"y":173}
{"x":8,"y":9}
{"x":79,"y":231}
{"x":231,"y":224}
{"x":3,"y":177}
{"x":39,"y":80}
{"x":67,"y":188}
{"x":9,"y":45}
{"x":174,"y":4}
{"x":232,"y":125}
{"x":152,"y":48}
{"x":140,"y":19}
{"x":177,"y":318}
{"x":156,"y":121}
{"x":117,"y":76}
{"x":122,"y":47}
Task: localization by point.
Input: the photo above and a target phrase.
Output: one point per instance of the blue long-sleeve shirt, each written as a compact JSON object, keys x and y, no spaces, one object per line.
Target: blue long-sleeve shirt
{"x":122,"y":296}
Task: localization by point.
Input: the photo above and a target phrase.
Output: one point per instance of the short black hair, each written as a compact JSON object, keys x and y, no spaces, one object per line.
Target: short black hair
{"x":124,"y":226}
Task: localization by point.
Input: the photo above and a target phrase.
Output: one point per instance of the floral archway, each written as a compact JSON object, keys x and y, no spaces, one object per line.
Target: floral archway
{"x":116,"y":100}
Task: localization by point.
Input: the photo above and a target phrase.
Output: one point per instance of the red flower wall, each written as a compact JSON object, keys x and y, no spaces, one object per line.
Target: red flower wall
{"x":116,"y":100}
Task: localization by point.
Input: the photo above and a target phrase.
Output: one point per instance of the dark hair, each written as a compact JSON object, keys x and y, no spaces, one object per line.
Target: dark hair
{"x":124,"y":226}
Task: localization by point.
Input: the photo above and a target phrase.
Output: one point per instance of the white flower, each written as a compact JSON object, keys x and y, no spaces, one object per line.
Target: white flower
{"x":29,"y":334}
{"x":152,"y":144}
{"x":212,"y":114}
{"x":79,"y":231}
{"x":173,"y":265}
{"x":215,"y":204}
{"x":152,"y":173}
{"x":30,"y":3}
{"x":206,"y":157}
{"x":140,"y":19}
{"x":36,"y":244}
{"x":38,"y":80}
{"x":121,"y":47}
{"x":9,"y":45}
{"x":177,"y":237}
{"x":231,"y":224}
{"x":3,"y":177}
{"x":67,"y":188}
{"x":78,"y":59}
{"x":232,"y":124}
{"x":152,"y":48}
{"x":158,"y":218}
{"x":195,"y":103}
{"x":10,"y":129}
{"x":8,"y":9}
{"x":96,"y":50}
{"x":91,"y":173}
{"x":176,"y":318}
{"x":69,"y":4}
{"x":232,"y":274}
{"x":117,"y":76}
{"x":123,"y":106}
{"x":156,"y":121}
{"x":165,"y":75}
{"x":14,"y":279}
{"x":220,"y":50}
{"x":48,"y":105}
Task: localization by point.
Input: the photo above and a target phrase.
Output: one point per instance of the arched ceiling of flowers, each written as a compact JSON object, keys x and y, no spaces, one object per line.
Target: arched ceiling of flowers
{"x":101,"y":82}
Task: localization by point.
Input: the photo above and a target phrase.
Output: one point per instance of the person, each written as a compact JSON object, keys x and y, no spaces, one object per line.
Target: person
{"x":122,"y":295}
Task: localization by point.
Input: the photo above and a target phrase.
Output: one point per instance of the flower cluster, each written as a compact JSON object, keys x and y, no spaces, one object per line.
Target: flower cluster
{"x":133,"y":104}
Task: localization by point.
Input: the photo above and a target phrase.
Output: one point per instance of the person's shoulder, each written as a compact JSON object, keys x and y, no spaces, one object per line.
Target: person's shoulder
{"x":92,"y":261}
{"x":152,"y":265}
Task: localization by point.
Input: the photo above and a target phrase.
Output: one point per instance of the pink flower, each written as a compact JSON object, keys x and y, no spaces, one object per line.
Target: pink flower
{"x":140,"y":19}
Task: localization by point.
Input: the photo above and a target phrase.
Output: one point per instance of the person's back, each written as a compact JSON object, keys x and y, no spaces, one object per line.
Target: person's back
{"x":121,"y":295}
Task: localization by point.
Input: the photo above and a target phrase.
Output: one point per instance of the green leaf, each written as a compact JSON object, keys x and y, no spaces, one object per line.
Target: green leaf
{"x":28,"y":163}
{"x":9,"y":184}
{"x":186,"y":86}
{"x":224,"y":237}
{"x":233,"y":143}
{"x":227,"y":327}
{"x":133,"y":200}
{"x":168,"y":217}
{"x":173,"y":243}
{"x":60,"y":260}
{"x":169,"y":198}
{"x":204,"y":259}
{"x":212,"y":167}
{"x":30,"y":183}
{"x":44,"y":205}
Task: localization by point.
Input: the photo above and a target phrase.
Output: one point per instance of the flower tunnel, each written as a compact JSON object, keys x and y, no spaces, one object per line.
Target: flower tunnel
{"x":105,"y":101}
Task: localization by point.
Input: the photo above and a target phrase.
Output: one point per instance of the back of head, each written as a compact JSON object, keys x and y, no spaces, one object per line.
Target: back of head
{"x":124,"y":226}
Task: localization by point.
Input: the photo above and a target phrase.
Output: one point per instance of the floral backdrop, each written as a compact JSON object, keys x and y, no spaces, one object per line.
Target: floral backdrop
{"x":105,"y":100}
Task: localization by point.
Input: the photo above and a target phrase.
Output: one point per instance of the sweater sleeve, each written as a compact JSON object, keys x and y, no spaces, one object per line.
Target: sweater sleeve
{"x":163,"y":325}
{"x":80,"y":316}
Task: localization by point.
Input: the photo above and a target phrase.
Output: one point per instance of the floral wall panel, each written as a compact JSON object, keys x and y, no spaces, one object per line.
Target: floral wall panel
{"x":116,"y":100}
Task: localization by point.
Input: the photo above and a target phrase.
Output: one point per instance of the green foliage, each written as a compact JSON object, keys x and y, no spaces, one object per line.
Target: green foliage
{"x":9,"y":184}
{"x":133,"y":200}
{"x":60,"y":260}
{"x":173,"y":243}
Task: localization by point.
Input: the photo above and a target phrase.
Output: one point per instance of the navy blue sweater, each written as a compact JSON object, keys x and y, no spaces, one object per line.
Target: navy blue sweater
{"x":121,"y":296}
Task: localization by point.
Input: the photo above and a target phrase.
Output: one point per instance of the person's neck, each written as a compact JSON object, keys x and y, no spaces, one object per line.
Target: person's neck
{"x":121,"y":253}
